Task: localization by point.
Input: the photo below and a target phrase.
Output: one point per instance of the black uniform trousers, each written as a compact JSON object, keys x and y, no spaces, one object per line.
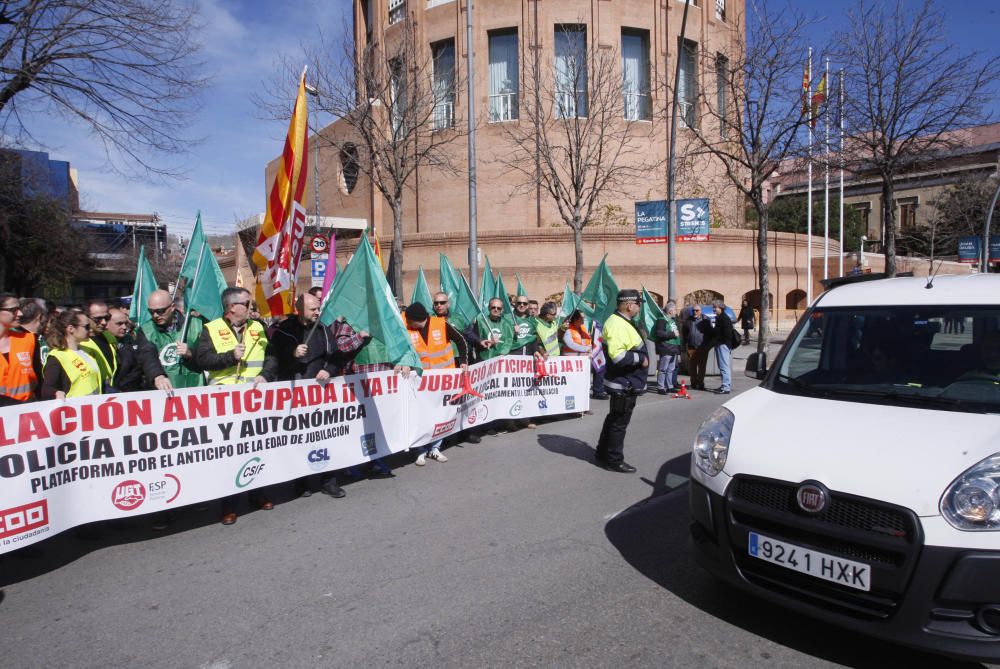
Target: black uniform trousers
{"x":611,"y":445}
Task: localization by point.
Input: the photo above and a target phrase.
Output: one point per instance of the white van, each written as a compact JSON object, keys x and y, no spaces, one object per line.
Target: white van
{"x":860,"y":482}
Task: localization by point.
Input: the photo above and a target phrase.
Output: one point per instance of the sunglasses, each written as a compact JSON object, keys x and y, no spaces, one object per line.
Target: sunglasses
{"x":160,"y":311}
{"x":521,"y":304}
{"x":496,"y":308}
{"x":242,"y":304}
{"x":441,"y":302}
{"x":97,"y":319}
{"x":12,"y":310}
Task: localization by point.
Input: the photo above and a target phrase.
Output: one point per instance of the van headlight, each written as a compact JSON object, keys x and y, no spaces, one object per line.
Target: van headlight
{"x":972,"y":501}
{"x":711,"y":445}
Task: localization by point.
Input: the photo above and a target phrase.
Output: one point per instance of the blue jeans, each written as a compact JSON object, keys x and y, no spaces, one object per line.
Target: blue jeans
{"x":598,"y":383}
{"x":666,"y":372}
{"x":723,"y":357}
{"x":433,"y":446}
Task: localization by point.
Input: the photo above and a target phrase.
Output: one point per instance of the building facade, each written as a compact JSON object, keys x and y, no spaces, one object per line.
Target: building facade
{"x":520,"y":228}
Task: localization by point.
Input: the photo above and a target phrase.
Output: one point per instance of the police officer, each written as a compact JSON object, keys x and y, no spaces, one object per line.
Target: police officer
{"x":624,"y":379}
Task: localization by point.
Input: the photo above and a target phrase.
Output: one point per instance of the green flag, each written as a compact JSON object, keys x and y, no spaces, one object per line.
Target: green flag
{"x":421,"y":293}
{"x":145,"y":283}
{"x":648,"y":314}
{"x":464,"y":307}
{"x":602,"y":292}
{"x":521,"y":292}
{"x":500,"y":293}
{"x":487,"y":287}
{"x":203,"y":280}
{"x":363,"y":298}
{"x":571,"y":302}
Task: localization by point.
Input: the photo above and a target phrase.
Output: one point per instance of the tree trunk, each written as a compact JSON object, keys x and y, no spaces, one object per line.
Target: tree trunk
{"x":578,"y":248}
{"x":764,"y":275}
{"x":888,"y":226}
{"x":396,"y":266}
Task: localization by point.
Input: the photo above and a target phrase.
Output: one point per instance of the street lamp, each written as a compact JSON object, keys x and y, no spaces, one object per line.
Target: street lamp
{"x":311,"y":90}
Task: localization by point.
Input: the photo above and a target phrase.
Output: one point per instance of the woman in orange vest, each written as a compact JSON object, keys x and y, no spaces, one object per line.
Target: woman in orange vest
{"x":20,"y":364}
{"x":576,"y":340}
{"x":70,"y":371}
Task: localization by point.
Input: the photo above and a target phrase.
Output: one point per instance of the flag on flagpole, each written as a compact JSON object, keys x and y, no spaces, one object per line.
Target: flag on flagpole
{"x":464,"y":308}
{"x":145,"y":284}
{"x":805,"y":90}
{"x":521,"y":292}
{"x":500,"y":293}
{"x":362,"y":296}
{"x":818,"y":99}
{"x":649,"y":313}
{"x":279,"y":244}
{"x":376,"y":248}
{"x":602,"y":292}
{"x":487,"y":285}
{"x":421,"y":293}
{"x":203,"y":279}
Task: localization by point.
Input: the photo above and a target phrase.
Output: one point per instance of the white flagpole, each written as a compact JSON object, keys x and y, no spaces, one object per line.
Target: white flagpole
{"x":809,"y":201}
{"x":826,"y":177}
{"x":840,"y":95}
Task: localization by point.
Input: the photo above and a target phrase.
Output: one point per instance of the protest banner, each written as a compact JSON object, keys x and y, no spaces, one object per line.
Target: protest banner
{"x":68,"y":462}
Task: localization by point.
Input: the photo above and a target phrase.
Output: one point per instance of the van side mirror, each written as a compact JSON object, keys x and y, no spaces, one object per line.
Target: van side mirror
{"x":756,"y":366}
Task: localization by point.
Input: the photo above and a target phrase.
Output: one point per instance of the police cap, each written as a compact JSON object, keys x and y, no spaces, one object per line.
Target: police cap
{"x":629,"y":295}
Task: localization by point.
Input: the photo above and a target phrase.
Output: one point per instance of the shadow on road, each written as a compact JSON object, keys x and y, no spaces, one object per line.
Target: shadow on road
{"x":568,"y":446}
{"x":652,"y":535}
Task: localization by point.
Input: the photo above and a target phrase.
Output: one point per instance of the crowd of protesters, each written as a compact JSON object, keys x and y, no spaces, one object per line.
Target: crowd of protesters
{"x":49,"y":352}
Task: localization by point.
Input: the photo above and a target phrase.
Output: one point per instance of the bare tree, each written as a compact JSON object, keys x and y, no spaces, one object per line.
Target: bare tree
{"x":750,"y":117}
{"x":396,"y":102}
{"x":579,"y":139}
{"x":127,"y":69}
{"x":907,"y":86}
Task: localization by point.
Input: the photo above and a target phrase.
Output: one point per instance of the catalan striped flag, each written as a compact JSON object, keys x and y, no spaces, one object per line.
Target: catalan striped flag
{"x":279,"y":244}
{"x":377,"y":248}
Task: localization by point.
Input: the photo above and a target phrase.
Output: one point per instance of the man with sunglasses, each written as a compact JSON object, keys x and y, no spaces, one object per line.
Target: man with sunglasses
{"x":171,"y":343}
{"x":234,"y":349}
{"x":20,"y":361}
{"x":101,"y":344}
{"x":497,"y":333}
{"x":474,"y":343}
{"x":525,"y":337}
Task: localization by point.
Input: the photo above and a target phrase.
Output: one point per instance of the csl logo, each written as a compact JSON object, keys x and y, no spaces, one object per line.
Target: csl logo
{"x":515,"y":409}
{"x":811,"y":497}
{"x":128,"y":495}
{"x":318,"y":459}
{"x":21,"y":519}
{"x":248,"y":472}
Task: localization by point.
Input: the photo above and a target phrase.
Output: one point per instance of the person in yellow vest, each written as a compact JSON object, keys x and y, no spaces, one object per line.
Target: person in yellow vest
{"x":20,"y":361}
{"x":70,"y":371}
{"x":547,"y":329}
{"x":432,"y":337}
{"x":101,"y":344}
{"x":234,"y":349}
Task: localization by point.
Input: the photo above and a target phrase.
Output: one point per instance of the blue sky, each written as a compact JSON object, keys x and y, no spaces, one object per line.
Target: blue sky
{"x":243,"y":42}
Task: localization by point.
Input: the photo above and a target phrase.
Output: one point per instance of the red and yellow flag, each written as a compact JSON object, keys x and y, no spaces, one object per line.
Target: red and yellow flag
{"x":376,"y":247}
{"x":818,"y":98}
{"x":279,"y":244}
{"x":805,"y":90}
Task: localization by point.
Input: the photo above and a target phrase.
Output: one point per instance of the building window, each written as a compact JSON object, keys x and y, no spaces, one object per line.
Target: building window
{"x":721,"y":89}
{"x":435,"y":3}
{"x":571,"y":71}
{"x":503,"y":76}
{"x":720,"y":9}
{"x":397,"y":11}
{"x":398,"y":106}
{"x":864,"y":210}
{"x":443,"y":53}
{"x":907,"y":214}
{"x":687,"y":84}
{"x":693,"y":3}
{"x":635,"y":75}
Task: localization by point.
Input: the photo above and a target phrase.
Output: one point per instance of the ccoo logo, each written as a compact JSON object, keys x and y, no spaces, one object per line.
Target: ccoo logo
{"x":128,"y":495}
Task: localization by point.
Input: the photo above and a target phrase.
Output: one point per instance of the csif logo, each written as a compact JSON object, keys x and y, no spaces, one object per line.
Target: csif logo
{"x":318,"y":459}
{"x":248,"y":472}
{"x":128,"y":495}
{"x":515,"y":409}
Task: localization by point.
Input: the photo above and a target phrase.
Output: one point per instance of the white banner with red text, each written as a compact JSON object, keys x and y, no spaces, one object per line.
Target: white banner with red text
{"x":64,"y":463}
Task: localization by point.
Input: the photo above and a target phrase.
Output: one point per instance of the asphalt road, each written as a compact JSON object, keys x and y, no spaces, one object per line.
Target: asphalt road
{"x":518,"y":552}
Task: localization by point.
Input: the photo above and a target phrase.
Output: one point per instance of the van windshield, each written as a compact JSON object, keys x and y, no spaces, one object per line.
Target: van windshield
{"x":937,"y":357}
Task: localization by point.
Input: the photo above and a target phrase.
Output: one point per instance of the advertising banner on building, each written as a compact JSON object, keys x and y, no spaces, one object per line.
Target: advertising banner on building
{"x":968,"y":250}
{"x":994,"y":248}
{"x":68,"y":462}
{"x":693,"y":224}
{"x":651,"y":222}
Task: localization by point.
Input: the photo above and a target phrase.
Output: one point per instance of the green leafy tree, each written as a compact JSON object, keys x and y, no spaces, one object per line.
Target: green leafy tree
{"x":788,"y":214}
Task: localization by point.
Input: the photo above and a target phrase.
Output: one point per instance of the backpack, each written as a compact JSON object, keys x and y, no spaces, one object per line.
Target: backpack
{"x":734,"y":339}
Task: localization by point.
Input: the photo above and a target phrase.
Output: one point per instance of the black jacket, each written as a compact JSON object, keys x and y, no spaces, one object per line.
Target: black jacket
{"x":725,"y":333}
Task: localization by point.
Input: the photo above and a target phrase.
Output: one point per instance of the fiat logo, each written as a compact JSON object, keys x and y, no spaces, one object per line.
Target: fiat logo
{"x":811,"y":497}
